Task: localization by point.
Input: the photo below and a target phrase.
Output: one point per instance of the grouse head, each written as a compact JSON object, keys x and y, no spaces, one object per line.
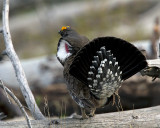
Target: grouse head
{"x":69,"y":43}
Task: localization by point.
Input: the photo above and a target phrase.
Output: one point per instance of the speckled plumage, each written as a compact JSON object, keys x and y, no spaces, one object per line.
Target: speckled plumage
{"x":79,"y":91}
{"x":94,"y":70}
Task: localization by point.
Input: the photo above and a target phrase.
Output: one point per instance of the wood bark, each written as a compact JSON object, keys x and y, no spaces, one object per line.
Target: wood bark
{"x":147,"y":117}
{"x":17,"y":102}
{"x":154,"y":63}
{"x":29,"y":98}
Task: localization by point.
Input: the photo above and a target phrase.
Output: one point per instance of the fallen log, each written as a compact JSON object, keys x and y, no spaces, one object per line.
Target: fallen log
{"x":41,"y":71}
{"x":46,"y":70}
{"x":147,"y":117}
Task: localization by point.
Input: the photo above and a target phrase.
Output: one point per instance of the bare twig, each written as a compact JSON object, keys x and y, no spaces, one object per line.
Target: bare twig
{"x":4,"y":88}
{"x":17,"y":101}
{"x":29,"y":98}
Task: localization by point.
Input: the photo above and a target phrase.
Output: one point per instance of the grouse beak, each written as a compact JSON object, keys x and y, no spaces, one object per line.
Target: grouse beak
{"x":59,"y":32}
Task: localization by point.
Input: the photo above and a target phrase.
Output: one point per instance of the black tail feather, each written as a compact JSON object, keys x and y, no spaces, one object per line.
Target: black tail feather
{"x":133,"y":70}
{"x":129,"y":58}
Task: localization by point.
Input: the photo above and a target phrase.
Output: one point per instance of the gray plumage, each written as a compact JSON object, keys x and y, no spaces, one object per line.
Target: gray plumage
{"x":94,"y":70}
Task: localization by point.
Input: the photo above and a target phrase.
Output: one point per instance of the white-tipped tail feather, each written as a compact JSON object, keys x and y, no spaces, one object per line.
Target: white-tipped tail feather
{"x":107,"y":79}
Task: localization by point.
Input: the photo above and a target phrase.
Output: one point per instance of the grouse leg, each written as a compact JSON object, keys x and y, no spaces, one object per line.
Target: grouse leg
{"x":84,"y":116}
{"x":92,"y":112}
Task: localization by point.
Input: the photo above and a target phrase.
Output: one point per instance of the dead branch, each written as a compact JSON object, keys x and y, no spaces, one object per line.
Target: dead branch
{"x":17,"y":101}
{"x":13,"y":109}
{"x":29,"y":98}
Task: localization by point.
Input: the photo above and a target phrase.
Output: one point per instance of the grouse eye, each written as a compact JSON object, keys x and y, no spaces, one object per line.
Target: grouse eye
{"x":63,"y":33}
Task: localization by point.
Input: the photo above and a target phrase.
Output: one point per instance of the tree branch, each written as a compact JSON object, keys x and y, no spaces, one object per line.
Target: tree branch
{"x":17,"y":101}
{"x":29,"y":98}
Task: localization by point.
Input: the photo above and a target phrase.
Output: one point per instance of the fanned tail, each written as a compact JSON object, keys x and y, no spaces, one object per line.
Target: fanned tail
{"x":105,"y":62}
{"x":104,"y":76}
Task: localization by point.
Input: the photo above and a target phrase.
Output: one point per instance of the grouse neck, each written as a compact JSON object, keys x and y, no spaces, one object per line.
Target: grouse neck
{"x":63,"y":51}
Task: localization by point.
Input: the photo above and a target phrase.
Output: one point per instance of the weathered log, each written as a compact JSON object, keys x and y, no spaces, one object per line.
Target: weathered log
{"x":41,"y":71}
{"x":46,"y":71}
{"x":147,"y":117}
{"x":154,"y":63}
